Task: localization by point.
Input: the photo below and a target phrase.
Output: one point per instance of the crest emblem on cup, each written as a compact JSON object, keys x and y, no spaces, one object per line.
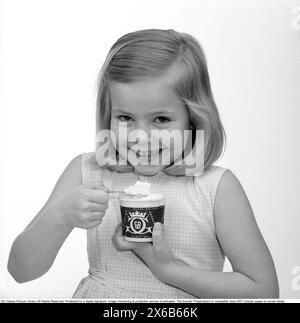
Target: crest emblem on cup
{"x":137,"y":222}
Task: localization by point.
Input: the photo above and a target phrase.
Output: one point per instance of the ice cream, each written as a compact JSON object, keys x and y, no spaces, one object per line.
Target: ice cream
{"x":141,"y":188}
{"x":142,"y":191}
{"x":140,"y":209}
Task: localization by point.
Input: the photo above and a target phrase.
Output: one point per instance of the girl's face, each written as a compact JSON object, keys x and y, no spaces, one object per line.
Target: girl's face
{"x":147,"y":105}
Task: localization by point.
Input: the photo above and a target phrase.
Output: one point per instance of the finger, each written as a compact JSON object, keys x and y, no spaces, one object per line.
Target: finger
{"x":119,"y":241}
{"x":119,"y":227}
{"x":95,"y":216}
{"x":97,"y":196}
{"x":94,"y":224}
{"x":157,"y":236}
{"x":97,"y":207}
{"x":96,"y":186}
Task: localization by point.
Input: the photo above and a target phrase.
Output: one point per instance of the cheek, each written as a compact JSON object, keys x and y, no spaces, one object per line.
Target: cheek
{"x":120,"y":132}
{"x":182,"y":128}
{"x":114,"y":134}
{"x":183,"y":122}
{"x":186,"y":123}
{"x":113,"y":125}
{"x":183,"y":136}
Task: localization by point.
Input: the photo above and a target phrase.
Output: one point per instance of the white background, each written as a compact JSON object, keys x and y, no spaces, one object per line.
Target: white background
{"x":51,"y":52}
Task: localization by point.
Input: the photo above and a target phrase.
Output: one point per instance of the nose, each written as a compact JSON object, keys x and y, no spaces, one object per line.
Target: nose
{"x":143,"y":126}
{"x":140,"y":135}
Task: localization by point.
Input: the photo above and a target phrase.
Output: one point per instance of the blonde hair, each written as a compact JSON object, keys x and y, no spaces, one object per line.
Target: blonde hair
{"x":151,"y":53}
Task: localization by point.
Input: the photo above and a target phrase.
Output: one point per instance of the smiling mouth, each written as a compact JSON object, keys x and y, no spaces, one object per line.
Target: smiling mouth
{"x":147,"y":154}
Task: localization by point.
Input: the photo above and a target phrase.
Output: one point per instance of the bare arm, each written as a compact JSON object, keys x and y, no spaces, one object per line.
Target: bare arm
{"x":35,"y":249}
{"x":254,"y":274}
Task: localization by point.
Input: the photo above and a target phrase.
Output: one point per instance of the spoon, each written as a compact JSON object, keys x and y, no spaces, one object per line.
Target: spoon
{"x":115,"y":193}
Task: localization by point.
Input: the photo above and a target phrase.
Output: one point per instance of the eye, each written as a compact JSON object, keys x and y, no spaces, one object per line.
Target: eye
{"x":124,"y":118}
{"x":162,"y":120}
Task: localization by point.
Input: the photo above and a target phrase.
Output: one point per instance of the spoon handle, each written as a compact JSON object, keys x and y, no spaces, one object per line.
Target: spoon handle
{"x":113,"y":194}
{"x":112,"y":191}
{"x":115,"y":191}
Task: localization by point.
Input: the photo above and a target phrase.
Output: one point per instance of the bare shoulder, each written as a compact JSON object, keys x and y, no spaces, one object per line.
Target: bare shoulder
{"x":69,"y":179}
{"x":74,"y":171}
{"x":233,"y":213}
{"x":230,"y":190}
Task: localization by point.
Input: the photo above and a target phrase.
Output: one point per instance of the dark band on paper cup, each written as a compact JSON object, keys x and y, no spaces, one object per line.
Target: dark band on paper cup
{"x":138,"y":222}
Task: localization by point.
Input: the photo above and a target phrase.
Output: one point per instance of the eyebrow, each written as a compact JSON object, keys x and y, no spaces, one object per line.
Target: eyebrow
{"x":152,"y":113}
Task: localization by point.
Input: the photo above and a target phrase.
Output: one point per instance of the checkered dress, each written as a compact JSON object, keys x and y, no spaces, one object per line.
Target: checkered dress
{"x":188,"y":229}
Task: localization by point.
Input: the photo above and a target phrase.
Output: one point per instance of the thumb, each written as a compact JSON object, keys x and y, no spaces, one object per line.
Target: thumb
{"x":118,"y":240}
{"x":157,"y":235}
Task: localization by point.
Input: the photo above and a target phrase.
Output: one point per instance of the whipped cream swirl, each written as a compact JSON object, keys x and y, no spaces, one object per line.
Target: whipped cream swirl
{"x":139,"y":188}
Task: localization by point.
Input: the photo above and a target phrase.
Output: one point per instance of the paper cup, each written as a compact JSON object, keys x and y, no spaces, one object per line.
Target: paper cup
{"x":140,"y":214}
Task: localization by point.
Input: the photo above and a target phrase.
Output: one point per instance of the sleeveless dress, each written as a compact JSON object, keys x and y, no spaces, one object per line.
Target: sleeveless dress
{"x":189,"y":230}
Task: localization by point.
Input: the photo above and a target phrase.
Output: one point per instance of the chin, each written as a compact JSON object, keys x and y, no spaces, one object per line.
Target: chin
{"x":148,"y":170}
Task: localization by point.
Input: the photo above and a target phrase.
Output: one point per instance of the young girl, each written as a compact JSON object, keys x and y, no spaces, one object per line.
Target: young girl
{"x":153,"y":80}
